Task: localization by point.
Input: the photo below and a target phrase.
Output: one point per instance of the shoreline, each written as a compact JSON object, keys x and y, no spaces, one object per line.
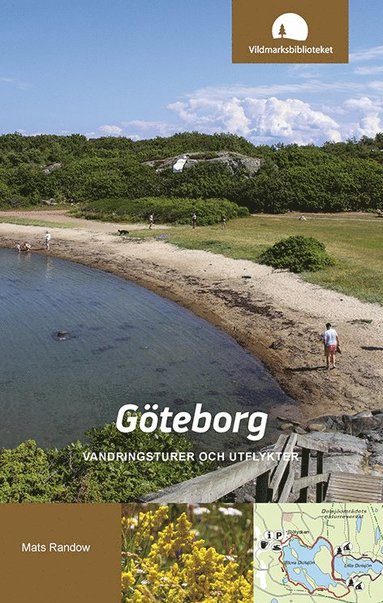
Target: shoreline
{"x":275,"y":315}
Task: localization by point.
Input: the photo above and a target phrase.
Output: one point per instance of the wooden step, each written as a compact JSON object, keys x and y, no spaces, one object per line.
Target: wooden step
{"x":352,"y":487}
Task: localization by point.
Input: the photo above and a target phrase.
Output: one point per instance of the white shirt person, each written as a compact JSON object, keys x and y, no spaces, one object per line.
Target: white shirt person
{"x":47,"y":239}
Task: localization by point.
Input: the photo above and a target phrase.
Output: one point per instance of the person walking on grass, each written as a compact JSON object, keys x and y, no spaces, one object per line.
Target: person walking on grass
{"x":151,"y":221}
{"x":194,"y":219}
{"x":47,"y":240}
{"x":331,"y":345}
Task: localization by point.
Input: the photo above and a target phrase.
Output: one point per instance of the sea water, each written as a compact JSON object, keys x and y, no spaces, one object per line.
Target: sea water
{"x":119,"y":344}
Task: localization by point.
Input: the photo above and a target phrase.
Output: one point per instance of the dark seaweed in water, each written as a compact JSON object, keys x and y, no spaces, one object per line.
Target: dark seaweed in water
{"x":55,"y":387}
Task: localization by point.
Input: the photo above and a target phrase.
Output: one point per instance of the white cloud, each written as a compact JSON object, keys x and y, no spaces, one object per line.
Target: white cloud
{"x":15,"y":82}
{"x":366,"y":54}
{"x":316,"y":86}
{"x":213,"y":115}
{"x":293,"y":120}
{"x":111,"y":130}
{"x":332,"y":109}
{"x":139,"y":128}
{"x":306,"y":72}
{"x":363,"y":104}
{"x":271,"y":113}
{"x":367,"y":112}
{"x":376,"y":86}
{"x":373,"y":70}
{"x":369,"y":125}
{"x":260,"y":120}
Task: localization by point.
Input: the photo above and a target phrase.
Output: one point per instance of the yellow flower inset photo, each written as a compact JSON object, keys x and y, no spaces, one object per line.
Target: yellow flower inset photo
{"x":187,"y":553}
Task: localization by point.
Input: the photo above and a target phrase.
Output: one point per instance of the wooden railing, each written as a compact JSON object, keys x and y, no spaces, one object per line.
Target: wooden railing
{"x":274,"y":480}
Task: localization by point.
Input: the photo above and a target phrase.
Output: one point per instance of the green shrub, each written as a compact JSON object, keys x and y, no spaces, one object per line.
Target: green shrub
{"x":29,"y":473}
{"x":115,"y":481}
{"x":297,"y":254}
{"x":165,"y":210}
{"x":26,"y":475}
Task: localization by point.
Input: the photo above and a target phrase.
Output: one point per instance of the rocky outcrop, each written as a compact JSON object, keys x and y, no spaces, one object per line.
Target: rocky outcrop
{"x":355,"y":441}
{"x":49,"y":201}
{"x":233,"y":161}
{"x":346,"y":453}
{"x":367,"y":424}
{"x":48,"y":169}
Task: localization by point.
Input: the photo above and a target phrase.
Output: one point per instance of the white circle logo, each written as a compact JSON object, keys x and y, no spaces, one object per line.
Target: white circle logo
{"x":290,"y":26}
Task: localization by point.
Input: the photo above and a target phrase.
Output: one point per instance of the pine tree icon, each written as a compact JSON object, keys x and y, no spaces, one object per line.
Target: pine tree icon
{"x":282,"y":31}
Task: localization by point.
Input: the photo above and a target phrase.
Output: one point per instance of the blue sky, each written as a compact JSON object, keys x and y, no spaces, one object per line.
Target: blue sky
{"x":143,"y":68}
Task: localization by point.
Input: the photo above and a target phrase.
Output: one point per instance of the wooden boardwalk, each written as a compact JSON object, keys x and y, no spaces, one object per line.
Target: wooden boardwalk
{"x":351,"y":487}
{"x":283,"y":479}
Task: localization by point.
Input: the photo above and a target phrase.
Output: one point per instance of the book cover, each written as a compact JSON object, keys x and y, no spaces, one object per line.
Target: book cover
{"x":191,"y":202}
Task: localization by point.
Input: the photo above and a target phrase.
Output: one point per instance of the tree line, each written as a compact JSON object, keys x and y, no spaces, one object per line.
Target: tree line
{"x":344,"y":176}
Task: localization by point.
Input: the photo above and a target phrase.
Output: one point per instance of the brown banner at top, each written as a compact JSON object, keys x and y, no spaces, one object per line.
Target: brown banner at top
{"x":294,"y":31}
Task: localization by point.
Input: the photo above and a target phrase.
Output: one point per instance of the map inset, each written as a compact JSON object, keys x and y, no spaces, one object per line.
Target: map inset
{"x":317,"y":553}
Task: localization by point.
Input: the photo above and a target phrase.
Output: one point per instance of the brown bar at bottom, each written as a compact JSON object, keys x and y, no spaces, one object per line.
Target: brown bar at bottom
{"x":60,"y":553}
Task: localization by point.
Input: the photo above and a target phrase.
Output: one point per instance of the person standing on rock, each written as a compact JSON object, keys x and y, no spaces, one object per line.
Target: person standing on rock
{"x":47,"y":239}
{"x":331,"y":345}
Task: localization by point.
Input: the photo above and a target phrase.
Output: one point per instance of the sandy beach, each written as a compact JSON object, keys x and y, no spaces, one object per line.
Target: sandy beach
{"x":275,"y":315}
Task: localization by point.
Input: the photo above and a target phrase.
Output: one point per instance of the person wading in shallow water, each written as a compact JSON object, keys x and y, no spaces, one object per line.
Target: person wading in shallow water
{"x":47,"y":240}
{"x":24,"y":246}
{"x":331,"y":345}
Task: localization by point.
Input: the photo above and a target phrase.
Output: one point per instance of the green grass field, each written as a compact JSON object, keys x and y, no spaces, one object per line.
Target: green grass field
{"x":354,"y":240}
